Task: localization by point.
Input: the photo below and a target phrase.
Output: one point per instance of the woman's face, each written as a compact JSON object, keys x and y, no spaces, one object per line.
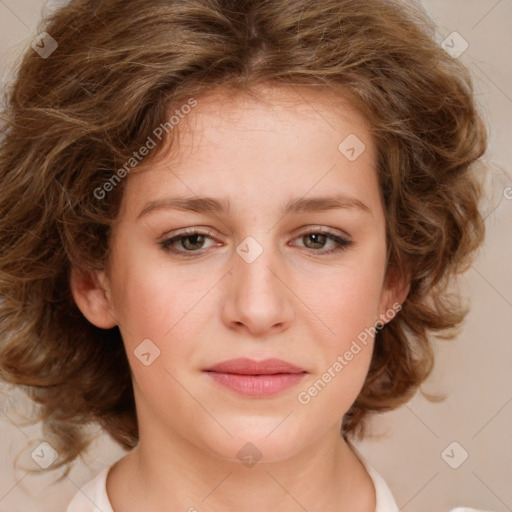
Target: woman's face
{"x":285,"y":260}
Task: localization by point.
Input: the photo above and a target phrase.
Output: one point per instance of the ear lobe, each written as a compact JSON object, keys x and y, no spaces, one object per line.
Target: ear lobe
{"x":393,"y":295}
{"x":400,"y":290}
{"x":90,"y":291}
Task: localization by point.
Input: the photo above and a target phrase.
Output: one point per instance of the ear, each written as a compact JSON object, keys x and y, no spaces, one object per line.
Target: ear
{"x":394,"y":292}
{"x":91,"y":292}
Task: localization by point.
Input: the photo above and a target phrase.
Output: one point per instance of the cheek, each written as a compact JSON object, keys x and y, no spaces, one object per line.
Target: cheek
{"x":346,"y":300}
{"x":148,"y":296}
{"x":330,"y":394}
{"x":156,"y":318}
{"x":345,"y":348}
{"x":161,"y":304}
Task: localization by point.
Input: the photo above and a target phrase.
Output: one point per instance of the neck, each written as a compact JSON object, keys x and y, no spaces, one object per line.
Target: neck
{"x":326,"y":476}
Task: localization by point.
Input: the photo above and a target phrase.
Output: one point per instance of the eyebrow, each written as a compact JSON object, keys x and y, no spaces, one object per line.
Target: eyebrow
{"x":222,"y":206}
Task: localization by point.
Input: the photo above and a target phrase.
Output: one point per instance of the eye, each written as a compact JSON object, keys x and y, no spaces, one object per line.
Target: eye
{"x":191,"y":241}
{"x":317,"y":239}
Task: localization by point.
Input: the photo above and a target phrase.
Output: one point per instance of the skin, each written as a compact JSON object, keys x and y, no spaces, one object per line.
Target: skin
{"x":294,"y":302}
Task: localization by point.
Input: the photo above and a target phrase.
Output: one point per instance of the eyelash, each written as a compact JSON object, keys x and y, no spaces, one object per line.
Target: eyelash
{"x":342,"y":243}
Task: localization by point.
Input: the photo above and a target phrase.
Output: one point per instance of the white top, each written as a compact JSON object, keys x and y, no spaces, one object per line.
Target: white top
{"x":92,"y":497}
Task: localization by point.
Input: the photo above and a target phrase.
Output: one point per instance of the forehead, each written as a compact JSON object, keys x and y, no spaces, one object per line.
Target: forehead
{"x":296,"y":109}
{"x":276,"y":145}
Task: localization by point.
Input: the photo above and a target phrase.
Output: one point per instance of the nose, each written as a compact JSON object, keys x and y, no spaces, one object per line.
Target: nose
{"x":258,"y":298}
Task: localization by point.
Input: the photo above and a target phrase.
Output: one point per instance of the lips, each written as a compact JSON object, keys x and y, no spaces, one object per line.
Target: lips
{"x":244,"y":366}
{"x":257,"y":379}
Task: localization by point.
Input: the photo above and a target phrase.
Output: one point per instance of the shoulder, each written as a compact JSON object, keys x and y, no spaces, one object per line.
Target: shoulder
{"x":92,"y":497}
{"x":384,"y":497}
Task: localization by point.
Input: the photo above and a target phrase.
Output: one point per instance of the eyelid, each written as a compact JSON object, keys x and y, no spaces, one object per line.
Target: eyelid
{"x":324,"y":229}
{"x":204,"y":230}
{"x":188,"y":231}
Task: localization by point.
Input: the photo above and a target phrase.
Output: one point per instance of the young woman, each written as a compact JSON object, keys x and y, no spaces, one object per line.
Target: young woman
{"x":227,"y":230}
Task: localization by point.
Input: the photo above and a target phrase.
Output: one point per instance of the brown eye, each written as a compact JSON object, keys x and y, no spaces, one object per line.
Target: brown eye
{"x":192,"y":242}
{"x":315,"y":241}
{"x":186,"y":242}
{"x":318,"y":240}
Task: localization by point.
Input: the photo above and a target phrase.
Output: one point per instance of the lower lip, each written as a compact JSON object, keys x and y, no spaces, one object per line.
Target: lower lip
{"x":257,"y":386}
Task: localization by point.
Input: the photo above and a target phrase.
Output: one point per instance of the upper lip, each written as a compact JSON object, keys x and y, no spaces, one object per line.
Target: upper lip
{"x":245,"y":366}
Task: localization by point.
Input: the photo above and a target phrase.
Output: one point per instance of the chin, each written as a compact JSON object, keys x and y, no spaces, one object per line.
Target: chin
{"x":258,"y":440}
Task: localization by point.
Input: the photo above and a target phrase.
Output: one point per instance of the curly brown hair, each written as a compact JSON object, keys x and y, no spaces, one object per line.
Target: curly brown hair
{"x":73,"y":118}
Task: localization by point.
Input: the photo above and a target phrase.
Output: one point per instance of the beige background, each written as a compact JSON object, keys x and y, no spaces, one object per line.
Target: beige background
{"x":474,"y":369}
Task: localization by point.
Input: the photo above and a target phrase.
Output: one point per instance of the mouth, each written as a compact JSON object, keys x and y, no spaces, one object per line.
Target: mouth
{"x":257,"y":379}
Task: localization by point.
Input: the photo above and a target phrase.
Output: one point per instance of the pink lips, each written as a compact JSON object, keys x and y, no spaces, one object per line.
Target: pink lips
{"x":256,"y":379}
